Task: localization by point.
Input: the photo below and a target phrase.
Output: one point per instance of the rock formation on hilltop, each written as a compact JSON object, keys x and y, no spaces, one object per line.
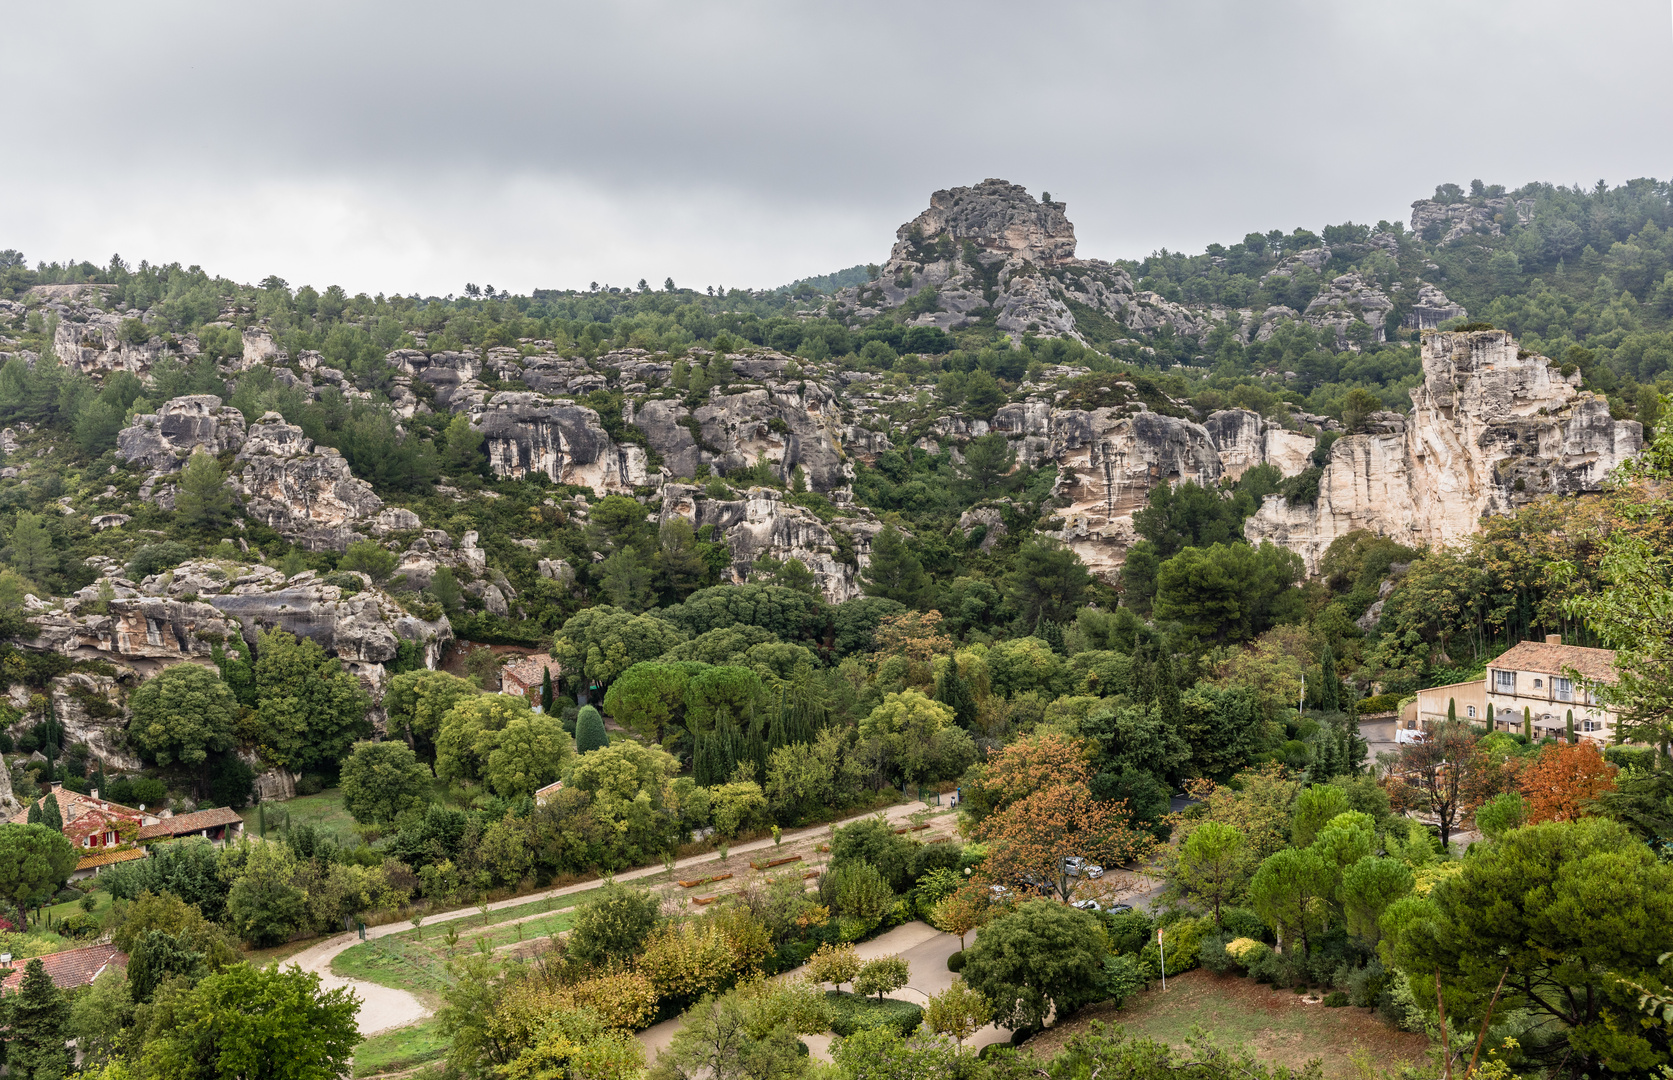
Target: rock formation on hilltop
{"x":163,"y":440}
{"x":994,"y":251}
{"x":1491,"y":429}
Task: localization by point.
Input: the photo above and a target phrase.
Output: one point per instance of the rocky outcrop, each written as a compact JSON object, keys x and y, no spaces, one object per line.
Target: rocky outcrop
{"x":91,"y":341}
{"x":1348,"y":299}
{"x":305,"y":492}
{"x":1491,"y":429}
{"x":91,"y":709}
{"x":260,"y":348}
{"x":1445,"y":222}
{"x":163,"y":440}
{"x":762,"y":523}
{"x":1243,"y":440}
{"x":529,"y":433}
{"x":1432,"y":309}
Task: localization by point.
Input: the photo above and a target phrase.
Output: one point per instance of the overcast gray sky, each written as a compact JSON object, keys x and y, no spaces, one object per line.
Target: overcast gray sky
{"x":416,"y":146}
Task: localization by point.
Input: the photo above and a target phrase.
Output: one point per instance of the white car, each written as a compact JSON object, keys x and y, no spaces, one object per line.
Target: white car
{"x":1093,"y":870}
{"x":1073,"y":865}
{"x":1088,"y":905}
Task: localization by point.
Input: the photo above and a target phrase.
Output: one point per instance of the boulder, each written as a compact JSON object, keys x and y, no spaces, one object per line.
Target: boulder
{"x":529,"y":433}
{"x":163,"y":440}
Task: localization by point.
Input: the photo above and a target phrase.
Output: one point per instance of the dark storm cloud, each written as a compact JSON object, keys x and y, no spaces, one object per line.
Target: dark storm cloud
{"x":414,"y":146}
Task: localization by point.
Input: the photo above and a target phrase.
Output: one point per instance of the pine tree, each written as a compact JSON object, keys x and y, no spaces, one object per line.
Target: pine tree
{"x":34,"y":813}
{"x":894,"y":573}
{"x":589,"y":730}
{"x":202,"y":501}
{"x":546,"y":690}
{"x":1050,"y":632}
{"x":38,"y":1013}
{"x":32,"y":552}
{"x":1330,"y":692}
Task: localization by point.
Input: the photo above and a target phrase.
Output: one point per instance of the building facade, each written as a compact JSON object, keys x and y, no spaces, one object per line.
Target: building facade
{"x":1545,"y":681}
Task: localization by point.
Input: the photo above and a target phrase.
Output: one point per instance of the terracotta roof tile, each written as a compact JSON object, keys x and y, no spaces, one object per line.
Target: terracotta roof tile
{"x":72,"y":968}
{"x":1596,"y":664}
{"x":189,"y":823}
{"x":108,"y":856}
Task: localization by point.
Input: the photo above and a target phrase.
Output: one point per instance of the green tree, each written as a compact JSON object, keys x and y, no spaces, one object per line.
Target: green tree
{"x":382,"y":780}
{"x":612,"y":925}
{"x":546,"y":689}
{"x":416,"y":701}
{"x":52,"y":816}
{"x":259,"y":1024}
{"x":1038,"y":957}
{"x":589,"y":730}
{"x":952,"y":689}
{"x":370,"y":558}
{"x":600,"y":643}
{"x":1047,"y":580}
{"x":1288,"y":892}
{"x":1228,"y":592}
{"x":202,"y":502}
{"x":958,"y":1011}
{"x":1368,"y":887}
{"x":265,"y":904}
{"x":894,"y":572}
{"x":35,"y":861}
{"x":182,"y":715}
{"x":881,"y":975}
{"x":32,"y":553}
{"x":1568,"y":914}
{"x":1189,"y":515}
{"x":156,"y":956}
{"x":99,"y":1016}
{"x":528,"y":753}
{"x":445,"y":588}
{"x":650,"y":697}
{"x":1315,"y":807}
{"x":37,"y":1017}
{"x":739,"y":1036}
{"x":986,"y":471}
{"x":1213,"y":865}
{"x":310,"y":711}
{"x":913,"y":731}
{"x":463,"y":455}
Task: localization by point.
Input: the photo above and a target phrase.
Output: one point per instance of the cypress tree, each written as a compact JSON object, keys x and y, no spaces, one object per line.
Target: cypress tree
{"x":1569,"y":725}
{"x":51,"y":816}
{"x":1167,"y":690}
{"x":35,"y":813}
{"x":546,"y":691}
{"x":589,"y":730}
{"x":1527,"y":722}
{"x":38,"y":1013}
{"x":1050,"y":632}
{"x":1451,"y":710}
{"x":952,"y":689}
{"x":1330,"y":690}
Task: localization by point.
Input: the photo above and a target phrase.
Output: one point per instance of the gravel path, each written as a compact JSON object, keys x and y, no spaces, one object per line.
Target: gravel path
{"x":383,"y":1007}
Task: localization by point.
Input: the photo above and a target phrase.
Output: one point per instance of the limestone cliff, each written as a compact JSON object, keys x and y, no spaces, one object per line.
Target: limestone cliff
{"x":1491,"y":428}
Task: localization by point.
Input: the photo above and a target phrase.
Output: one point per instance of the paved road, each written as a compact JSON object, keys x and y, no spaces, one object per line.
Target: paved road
{"x":383,"y":1008}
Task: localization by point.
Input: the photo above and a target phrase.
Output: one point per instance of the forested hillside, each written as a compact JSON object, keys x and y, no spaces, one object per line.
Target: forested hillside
{"x":982,"y":509}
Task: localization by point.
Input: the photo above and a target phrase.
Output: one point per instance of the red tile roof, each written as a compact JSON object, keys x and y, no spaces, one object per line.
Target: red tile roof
{"x":70,"y":969}
{"x":108,"y":856}
{"x":1548,"y":659}
{"x":527,"y":671}
{"x":182,"y":824}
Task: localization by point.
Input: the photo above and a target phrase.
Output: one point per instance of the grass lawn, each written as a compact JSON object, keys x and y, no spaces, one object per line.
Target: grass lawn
{"x":395,"y":1051}
{"x":102,"y":902}
{"x":323,"y":811}
{"x":416,"y":959}
{"x":1275,"y":1025}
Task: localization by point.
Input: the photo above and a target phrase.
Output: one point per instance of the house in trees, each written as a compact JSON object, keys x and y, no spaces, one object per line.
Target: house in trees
{"x":1538,"y":679}
{"x":1542,"y":681}
{"x":68,"y":969}
{"x":218,"y":824}
{"x":527,"y":674}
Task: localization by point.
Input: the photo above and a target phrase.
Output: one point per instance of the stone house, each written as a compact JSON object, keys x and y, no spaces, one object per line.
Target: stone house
{"x":1468,"y":699}
{"x":89,"y":821}
{"x":526,"y":674}
{"x":1540,"y":677}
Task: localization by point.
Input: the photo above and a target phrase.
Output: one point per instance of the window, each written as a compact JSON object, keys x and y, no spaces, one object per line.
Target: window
{"x":1538,"y":683}
{"x":1469,"y":710}
{"x":1591,"y":725}
{"x":1504,"y":682}
{"x":1563,"y":689}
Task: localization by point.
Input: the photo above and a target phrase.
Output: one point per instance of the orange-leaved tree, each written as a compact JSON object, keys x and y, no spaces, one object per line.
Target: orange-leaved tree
{"x":1560,"y":783}
{"x":1030,"y":839}
{"x":1026,"y":766}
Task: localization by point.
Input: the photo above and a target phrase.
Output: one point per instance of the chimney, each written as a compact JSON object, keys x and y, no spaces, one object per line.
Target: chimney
{"x":94,"y":794}
{"x":1553,"y":639}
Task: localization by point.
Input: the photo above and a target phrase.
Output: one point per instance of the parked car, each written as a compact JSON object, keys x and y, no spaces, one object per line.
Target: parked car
{"x":1093,"y":870}
{"x":1073,"y":865}
{"x":1087,"y":905}
{"x":1115,"y":909}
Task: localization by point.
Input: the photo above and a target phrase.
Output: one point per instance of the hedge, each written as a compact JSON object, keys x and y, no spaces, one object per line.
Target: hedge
{"x":851,"y":1013}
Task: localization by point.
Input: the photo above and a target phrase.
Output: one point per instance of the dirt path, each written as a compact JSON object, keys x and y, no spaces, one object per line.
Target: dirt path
{"x":383,"y":1007}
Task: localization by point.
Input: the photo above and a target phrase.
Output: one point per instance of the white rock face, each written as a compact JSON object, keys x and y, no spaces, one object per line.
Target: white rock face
{"x":1490,"y":430}
{"x":163,"y":440}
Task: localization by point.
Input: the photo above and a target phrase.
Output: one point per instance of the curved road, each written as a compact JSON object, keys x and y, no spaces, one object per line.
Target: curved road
{"x":383,"y":1007}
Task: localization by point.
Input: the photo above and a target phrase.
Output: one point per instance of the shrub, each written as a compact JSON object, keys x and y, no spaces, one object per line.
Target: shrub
{"x":310,"y":784}
{"x":1243,"y":922}
{"x":1247,"y":951}
{"x":155,"y":558}
{"x":589,"y":730}
{"x":1335,"y":999}
{"x":1213,"y":954}
{"x":1380,"y":703}
{"x":1129,"y":930}
{"x":1183,"y":944}
{"x":955,"y":962}
{"x":79,"y":925}
{"x":851,"y":1013}
{"x":1123,"y":977}
{"x":1365,"y":985}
